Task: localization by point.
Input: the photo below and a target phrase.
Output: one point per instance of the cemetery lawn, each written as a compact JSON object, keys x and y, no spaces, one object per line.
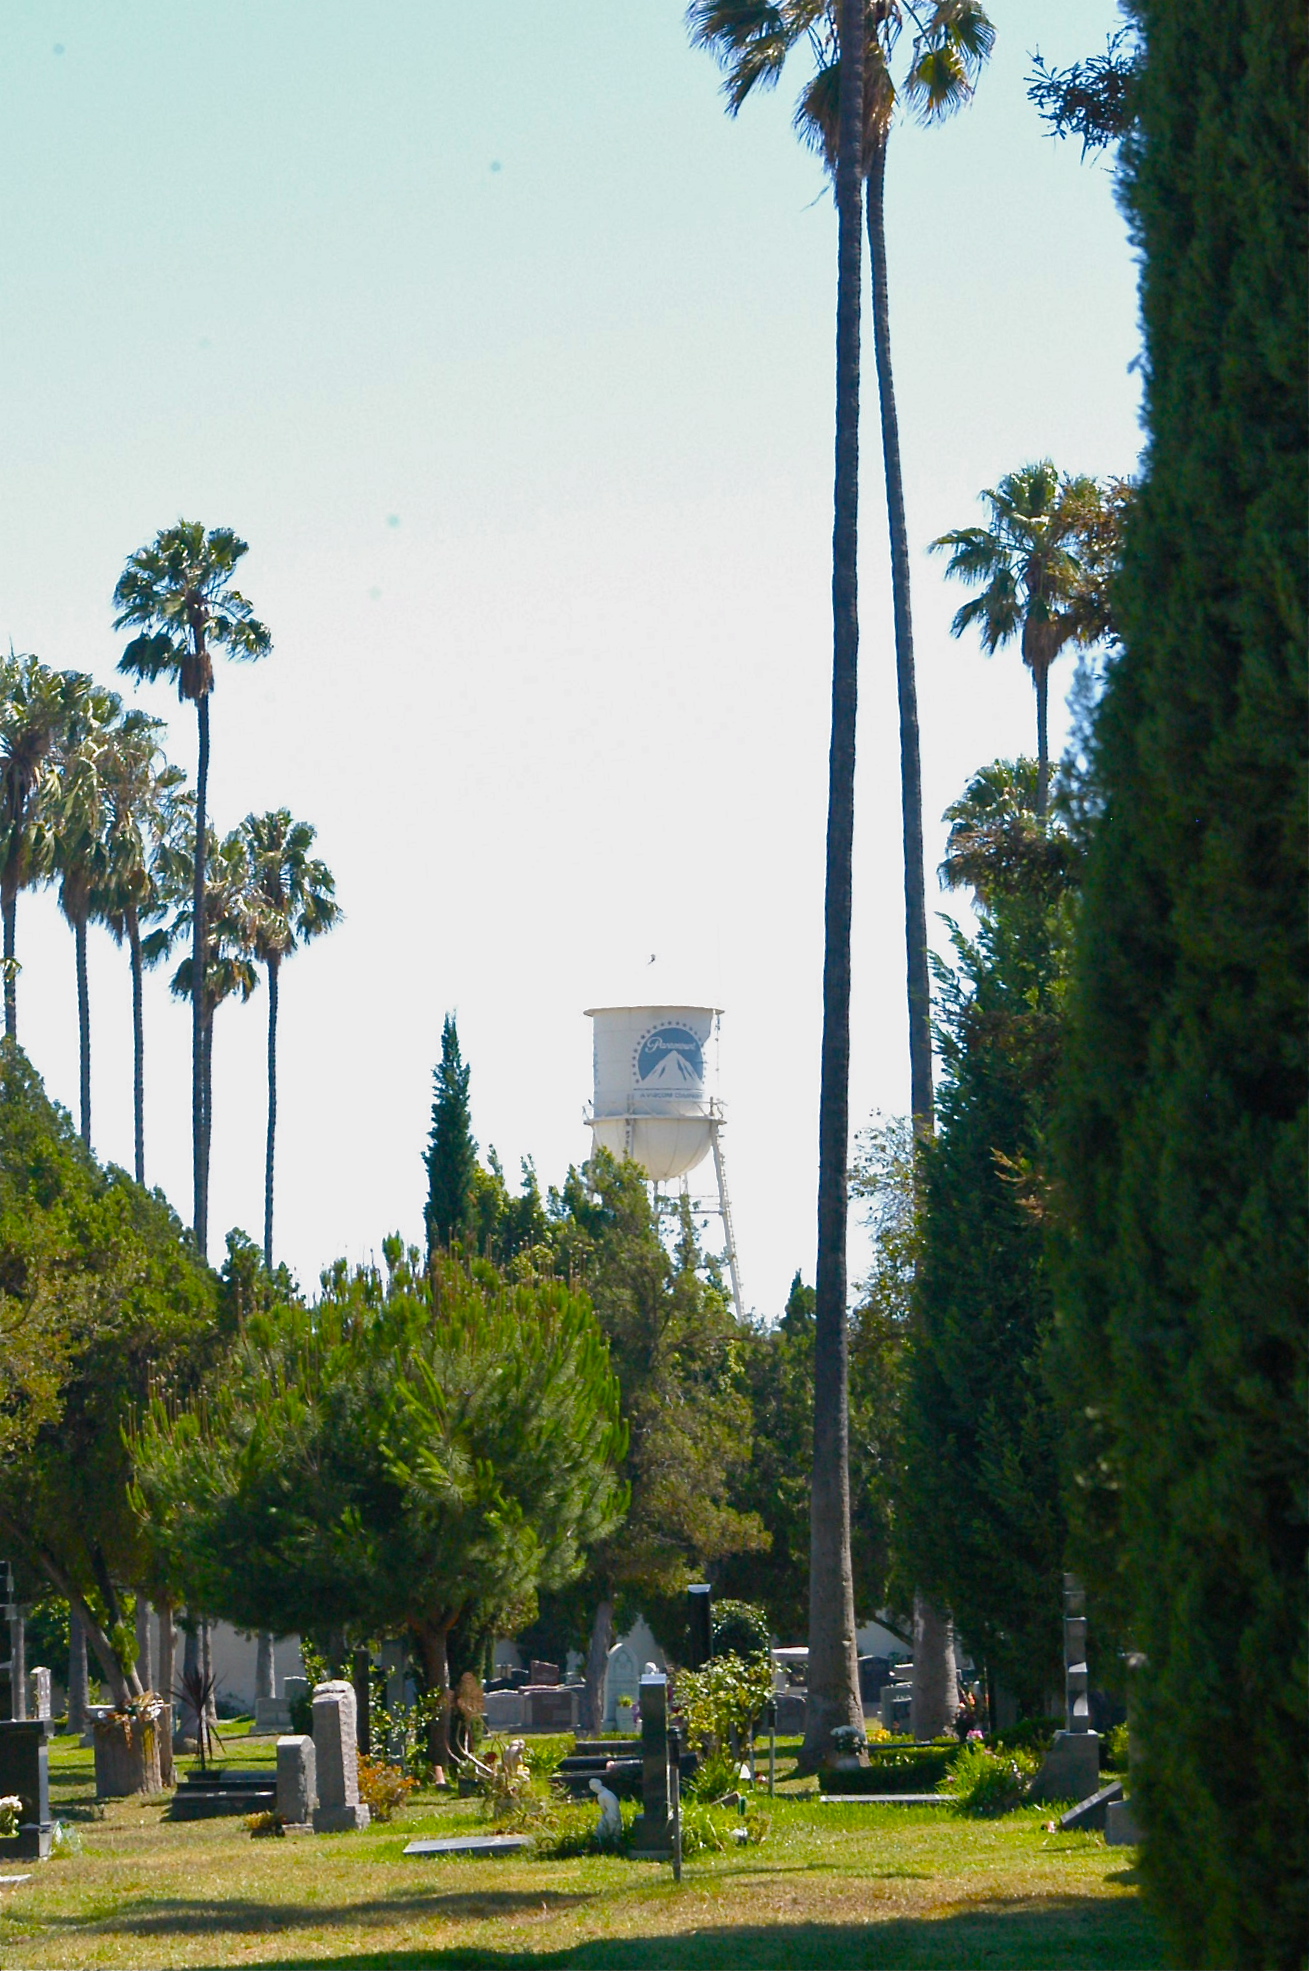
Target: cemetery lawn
{"x":830,"y":1887}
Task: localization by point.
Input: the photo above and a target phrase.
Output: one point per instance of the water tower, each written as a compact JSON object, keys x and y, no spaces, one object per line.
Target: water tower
{"x":653,"y":1102}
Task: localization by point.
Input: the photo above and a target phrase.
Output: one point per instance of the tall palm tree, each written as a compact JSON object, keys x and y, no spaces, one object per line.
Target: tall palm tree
{"x":1031,"y":568}
{"x":293,"y":900}
{"x":229,"y":966}
{"x":146,"y":806}
{"x":752,"y":40}
{"x":179,"y":594}
{"x":35,"y":704}
{"x":80,"y":854}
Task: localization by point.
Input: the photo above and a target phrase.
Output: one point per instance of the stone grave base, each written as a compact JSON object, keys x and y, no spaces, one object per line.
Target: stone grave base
{"x":1091,"y":1812}
{"x":340,"y":1820}
{"x":473,"y":1844}
{"x":1071,"y":1769}
{"x":1120,"y":1826}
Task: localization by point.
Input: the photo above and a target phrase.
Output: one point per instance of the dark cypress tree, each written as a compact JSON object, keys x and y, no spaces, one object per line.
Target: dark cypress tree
{"x":1184,"y":1130}
{"x":980,"y":1521}
{"x":451,"y":1156}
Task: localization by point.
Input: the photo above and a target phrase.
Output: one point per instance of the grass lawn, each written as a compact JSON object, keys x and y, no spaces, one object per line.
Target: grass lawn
{"x":830,"y":1887}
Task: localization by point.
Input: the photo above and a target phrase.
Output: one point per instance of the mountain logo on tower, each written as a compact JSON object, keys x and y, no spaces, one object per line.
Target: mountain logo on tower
{"x":670,"y":1060}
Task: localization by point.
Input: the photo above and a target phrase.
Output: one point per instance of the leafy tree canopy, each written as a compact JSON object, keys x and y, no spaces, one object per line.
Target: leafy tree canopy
{"x":415,"y":1445}
{"x":103,"y":1304}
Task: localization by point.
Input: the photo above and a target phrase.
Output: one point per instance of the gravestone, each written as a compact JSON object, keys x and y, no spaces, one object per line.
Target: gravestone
{"x":297,"y":1789}
{"x":1071,"y":1768}
{"x":792,"y":1713}
{"x":1121,"y":1829}
{"x":39,"y":1679}
{"x":25,"y":1770}
{"x":621,"y":1679}
{"x":294,"y":1690}
{"x":700,"y":1624}
{"x":652,"y":1833}
{"x":549,"y":1707}
{"x":543,"y":1673}
{"x":1090,"y":1813}
{"x":336,"y":1755}
{"x":504,"y":1710}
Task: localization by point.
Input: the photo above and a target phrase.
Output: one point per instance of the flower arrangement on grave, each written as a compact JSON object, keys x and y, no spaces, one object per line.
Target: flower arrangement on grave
{"x":265,"y":1826}
{"x":11,"y":1809}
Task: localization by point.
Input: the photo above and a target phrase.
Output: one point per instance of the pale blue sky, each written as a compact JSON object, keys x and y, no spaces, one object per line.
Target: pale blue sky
{"x":511,"y":356}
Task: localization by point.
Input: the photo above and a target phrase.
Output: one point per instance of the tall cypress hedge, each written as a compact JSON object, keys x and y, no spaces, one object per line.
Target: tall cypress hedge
{"x":980,"y":1524}
{"x":1183,"y":1138}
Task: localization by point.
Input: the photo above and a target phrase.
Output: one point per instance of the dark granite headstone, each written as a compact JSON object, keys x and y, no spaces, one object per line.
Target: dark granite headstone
{"x":25,"y":1770}
{"x":544,"y":1673}
{"x":549,"y":1707}
{"x":700,"y":1640}
{"x":652,"y":1834}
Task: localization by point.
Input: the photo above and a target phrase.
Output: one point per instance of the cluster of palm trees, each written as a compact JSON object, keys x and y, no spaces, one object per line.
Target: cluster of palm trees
{"x":854,"y":89}
{"x":90,"y":803}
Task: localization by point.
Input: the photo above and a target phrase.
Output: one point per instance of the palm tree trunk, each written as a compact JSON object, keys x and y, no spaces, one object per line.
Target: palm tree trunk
{"x":83,"y":1030}
{"x":930,"y":1666}
{"x":1041,"y":679}
{"x":274,"y":967}
{"x":911,"y":777}
{"x":138,"y":1043}
{"x":199,"y":1156}
{"x":833,"y":1665}
{"x":206,"y":1093}
{"x":9,"y":906}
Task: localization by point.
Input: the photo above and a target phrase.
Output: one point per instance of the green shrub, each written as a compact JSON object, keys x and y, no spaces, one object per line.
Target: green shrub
{"x":1115,"y":1752}
{"x":717,"y":1773}
{"x":740,"y":1628}
{"x":1030,"y":1735}
{"x":986,"y":1783}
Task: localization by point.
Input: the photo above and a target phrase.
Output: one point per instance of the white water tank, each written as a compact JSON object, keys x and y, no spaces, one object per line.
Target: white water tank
{"x":652,"y":1100}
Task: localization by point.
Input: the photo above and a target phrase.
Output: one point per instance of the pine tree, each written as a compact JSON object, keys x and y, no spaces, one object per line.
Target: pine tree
{"x":451,"y":1157}
{"x":1183,"y":1133}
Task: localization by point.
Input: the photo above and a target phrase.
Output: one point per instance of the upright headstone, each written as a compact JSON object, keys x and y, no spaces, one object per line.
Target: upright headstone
{"x":543,"y":1673}
{"x":39,"y":1680}
{"x":652,"y":1834}
{"x":699,"y":1599}
{"x":297,"y":1786}
{"x":1071,"y":1768}
{"x":25,"y":1771}
{"x":336,"y":1755}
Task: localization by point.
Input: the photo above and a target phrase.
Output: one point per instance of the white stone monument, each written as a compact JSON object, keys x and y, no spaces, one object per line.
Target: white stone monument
{"x":336,"y":1753}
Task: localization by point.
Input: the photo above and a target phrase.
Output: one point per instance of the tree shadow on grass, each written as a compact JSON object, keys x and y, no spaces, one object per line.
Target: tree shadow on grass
{"x":1075,"y":1933}
{"x":177,"y":1916}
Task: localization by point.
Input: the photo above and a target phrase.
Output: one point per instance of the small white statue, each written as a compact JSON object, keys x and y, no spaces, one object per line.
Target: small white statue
{"x":611,"y":1814}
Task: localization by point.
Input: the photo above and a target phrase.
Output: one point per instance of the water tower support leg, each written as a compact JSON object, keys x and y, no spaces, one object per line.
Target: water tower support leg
{"x":725,"y":1207}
